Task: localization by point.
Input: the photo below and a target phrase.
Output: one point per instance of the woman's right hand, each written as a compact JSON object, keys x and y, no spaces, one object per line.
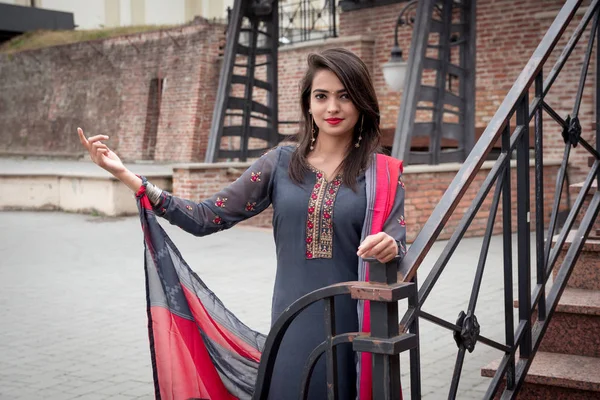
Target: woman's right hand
{"x":107,"y":159}
{"x":101,"y":154}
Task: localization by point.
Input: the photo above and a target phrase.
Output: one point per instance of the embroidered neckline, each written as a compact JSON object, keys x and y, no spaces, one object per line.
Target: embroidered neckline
{"x":319,"y":221}
{"x":321,"y":175}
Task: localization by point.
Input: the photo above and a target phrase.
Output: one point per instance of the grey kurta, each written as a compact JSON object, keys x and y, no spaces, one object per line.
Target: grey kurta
{"x":317,"y":227}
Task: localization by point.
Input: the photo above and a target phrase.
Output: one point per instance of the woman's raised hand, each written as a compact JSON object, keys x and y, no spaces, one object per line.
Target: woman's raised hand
{"x":107,"y":159}
{"x":100,"y":153}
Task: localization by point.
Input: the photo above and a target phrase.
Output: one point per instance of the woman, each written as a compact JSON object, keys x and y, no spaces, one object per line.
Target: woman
{"x":321,"y":191}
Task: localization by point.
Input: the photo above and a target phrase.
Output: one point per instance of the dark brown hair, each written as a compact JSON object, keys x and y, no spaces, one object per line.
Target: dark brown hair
{"x":355,"y":77}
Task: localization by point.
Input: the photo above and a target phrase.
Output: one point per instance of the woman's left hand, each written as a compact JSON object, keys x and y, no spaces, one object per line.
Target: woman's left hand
{"x":381,"y":246}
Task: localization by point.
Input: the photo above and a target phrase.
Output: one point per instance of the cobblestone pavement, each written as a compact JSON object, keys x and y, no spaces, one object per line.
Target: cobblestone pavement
{"x":72,"y":304}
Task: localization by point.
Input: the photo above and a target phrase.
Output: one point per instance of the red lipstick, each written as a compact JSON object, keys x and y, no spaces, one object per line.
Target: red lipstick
{"x":334,"y":121}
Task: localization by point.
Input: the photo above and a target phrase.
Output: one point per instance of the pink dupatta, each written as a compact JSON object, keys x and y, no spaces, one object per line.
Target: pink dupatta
{"x":199,"y":348}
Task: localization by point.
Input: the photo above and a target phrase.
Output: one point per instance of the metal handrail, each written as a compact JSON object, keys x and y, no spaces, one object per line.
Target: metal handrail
{"x":523,"y":343}
{"x":459,"y":185}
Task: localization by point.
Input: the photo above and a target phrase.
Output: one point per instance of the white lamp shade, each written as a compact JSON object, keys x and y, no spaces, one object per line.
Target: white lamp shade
{"x":394,"y":73}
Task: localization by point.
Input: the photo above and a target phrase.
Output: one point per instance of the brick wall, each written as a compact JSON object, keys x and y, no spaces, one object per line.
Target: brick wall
{"x":104,"y":86}
{"x":425,"y":186}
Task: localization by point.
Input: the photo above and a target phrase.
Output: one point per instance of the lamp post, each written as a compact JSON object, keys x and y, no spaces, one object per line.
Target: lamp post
{"x":394,"y":71}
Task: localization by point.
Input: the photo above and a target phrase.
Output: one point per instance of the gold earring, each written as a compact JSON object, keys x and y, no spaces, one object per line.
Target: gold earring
{"x":357,"y":144}
{"x":312,"y":131}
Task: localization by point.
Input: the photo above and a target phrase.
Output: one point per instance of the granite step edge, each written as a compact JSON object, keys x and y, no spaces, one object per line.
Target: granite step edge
{"x":559,"y":370}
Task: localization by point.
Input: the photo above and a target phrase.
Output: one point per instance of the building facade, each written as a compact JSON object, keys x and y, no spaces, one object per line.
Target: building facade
{"x":96,"y":14}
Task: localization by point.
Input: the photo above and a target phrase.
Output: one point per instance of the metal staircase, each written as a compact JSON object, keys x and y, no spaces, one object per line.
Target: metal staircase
{"x":438,"y":101}
{"x":244,"y":123}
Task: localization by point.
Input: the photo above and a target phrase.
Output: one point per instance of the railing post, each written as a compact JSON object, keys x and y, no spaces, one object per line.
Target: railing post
{"x":523,"y":227}
{"x":385,"y":341}
{"x":509,"y":325}
{"x":384,"y":324}
{"x":415,"y":353}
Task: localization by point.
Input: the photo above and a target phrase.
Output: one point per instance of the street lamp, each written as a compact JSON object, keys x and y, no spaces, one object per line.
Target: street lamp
{"x":394,"y":71}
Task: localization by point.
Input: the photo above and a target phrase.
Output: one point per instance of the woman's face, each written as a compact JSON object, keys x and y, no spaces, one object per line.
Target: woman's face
{"x":331,"y":107}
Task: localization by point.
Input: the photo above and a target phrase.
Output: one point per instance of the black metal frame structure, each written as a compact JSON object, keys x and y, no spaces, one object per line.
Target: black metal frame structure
{"x":443,"y":45}
{"x":252,"y":33}
{"x":536,"y":305}
{"x":255,"y":30}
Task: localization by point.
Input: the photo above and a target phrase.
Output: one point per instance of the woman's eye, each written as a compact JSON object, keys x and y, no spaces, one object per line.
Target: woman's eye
{"x":345,"y":96}
{"x":319,"y":96}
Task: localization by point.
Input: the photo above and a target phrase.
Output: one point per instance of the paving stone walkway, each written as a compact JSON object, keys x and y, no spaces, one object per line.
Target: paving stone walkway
{"x":72,"y":304}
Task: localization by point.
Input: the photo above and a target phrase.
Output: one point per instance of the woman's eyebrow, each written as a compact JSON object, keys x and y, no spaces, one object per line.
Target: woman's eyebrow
{"x":327,"y":91}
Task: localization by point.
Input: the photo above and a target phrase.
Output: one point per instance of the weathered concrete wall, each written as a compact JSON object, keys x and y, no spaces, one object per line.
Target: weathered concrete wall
{"x":105,"y":87}
{"x":105,"y":196}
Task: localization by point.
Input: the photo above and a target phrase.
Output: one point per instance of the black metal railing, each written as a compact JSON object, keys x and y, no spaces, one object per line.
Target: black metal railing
{"x":307,"y":20}
{"x":522,"y":337}
{"x":385,"y":341}
{"x":536,"y":307}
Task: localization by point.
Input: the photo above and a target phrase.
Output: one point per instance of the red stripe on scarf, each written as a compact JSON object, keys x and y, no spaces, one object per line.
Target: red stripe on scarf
{"x":387,"y":173}
{"x":216,"y":332}
{"x":185,"y":369}
{"x":141,"y":194}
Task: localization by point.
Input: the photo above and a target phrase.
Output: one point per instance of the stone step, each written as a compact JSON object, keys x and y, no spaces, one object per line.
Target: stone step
{"x":575,"y":325}
{"x":558,"y":376}
{"x":574,"y":190}
{"x":586,"y":274}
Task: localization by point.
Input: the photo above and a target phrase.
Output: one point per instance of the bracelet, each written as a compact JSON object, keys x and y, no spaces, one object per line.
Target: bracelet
{"x":152,"y":191}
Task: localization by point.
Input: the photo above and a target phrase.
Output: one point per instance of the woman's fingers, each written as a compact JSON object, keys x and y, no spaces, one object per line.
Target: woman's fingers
{"x":99,"y":145}
{"x":384,"y":244}
{"x":96,"y":146}
{"x":380,"y":246}
{"x":384,"y":255}
{"x":97,"y":138}
{"x":367,"y":244}
{"x":82,"y":138}
{"x":93,"y":143}
{"x":387,"y":258}
{"x":101,"y":155}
